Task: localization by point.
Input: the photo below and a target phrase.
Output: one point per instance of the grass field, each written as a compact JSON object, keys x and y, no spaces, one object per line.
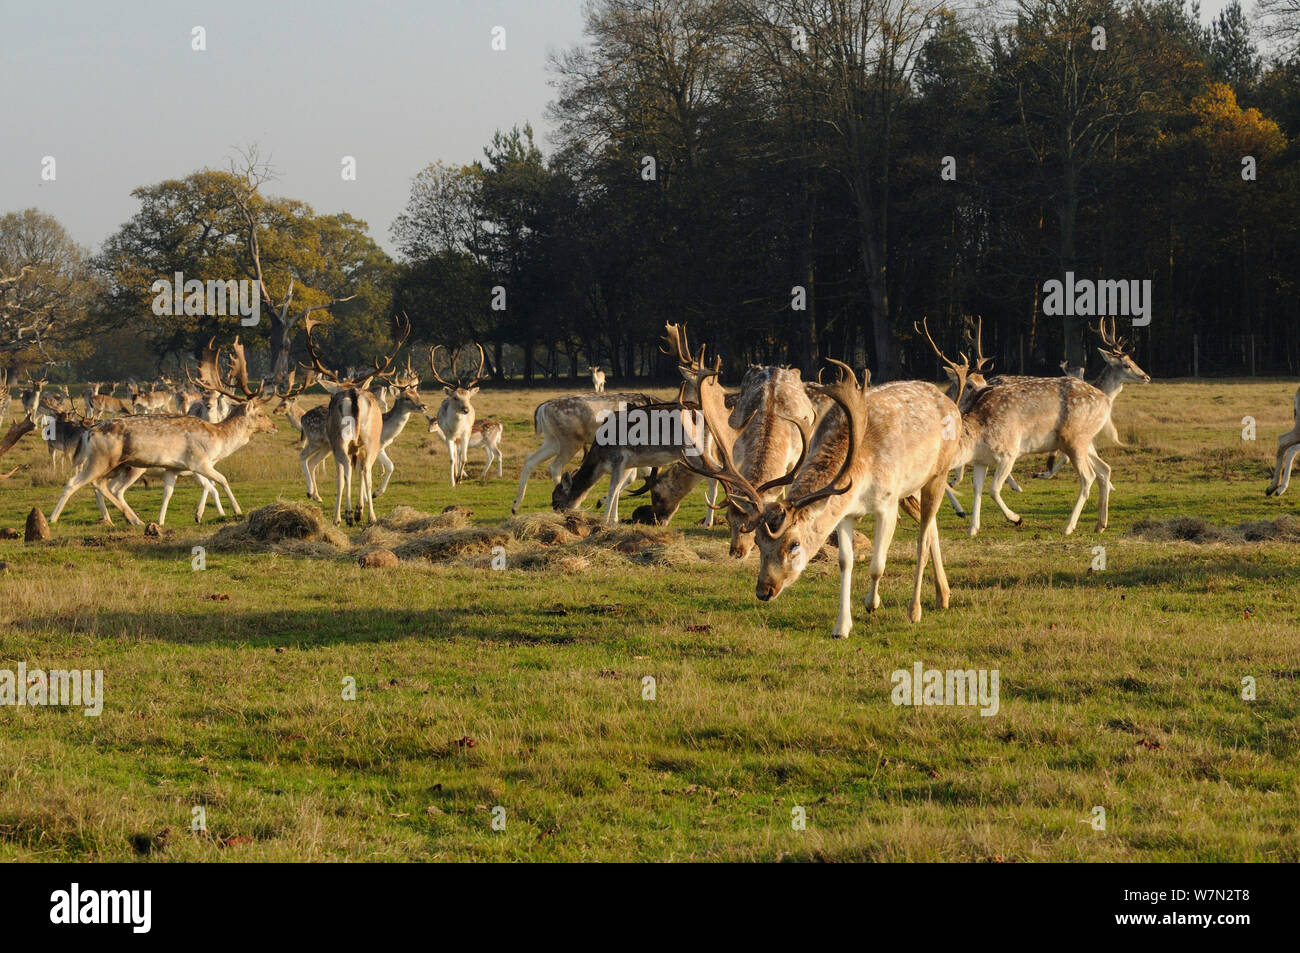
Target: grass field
{"x":522,"y":688}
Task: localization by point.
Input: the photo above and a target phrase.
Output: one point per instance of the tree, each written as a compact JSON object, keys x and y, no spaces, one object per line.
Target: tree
{"x":45,"y":287}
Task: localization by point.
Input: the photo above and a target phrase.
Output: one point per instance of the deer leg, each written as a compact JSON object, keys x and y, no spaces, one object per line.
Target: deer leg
{"x":386,"y":463}
{"x":1011,"y":482}
{"x":208,"y":470}
{"x":367,"y":489}
{"x":710,"y":494}
{"x":1288,"y":445}
{"x":103,"y":510}
{"x":303,"y":459}
{"x":617,"y":474}
{"x":844,"y":543}
{"x":886,"y":522}
{"x":1103,"y":493}
{"x":999,"y":477}
{"x":952,"y":498}
{"x":978,"y":472}
{"x":87,"y":474}
{"x":169,"y":484}
{"x":927,"y":547}
{"x":500,"y":458}
{"x":1084,"y":467}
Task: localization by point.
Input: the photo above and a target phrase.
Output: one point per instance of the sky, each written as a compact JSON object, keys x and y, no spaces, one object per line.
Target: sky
{"x":115,"y":93}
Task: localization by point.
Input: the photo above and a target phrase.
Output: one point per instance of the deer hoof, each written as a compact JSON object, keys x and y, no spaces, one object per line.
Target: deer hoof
{"x":1018,"y":521}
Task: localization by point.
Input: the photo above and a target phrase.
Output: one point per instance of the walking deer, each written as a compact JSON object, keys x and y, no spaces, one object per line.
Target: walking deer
{"x":1288,"y":445}
{"x":172,"y":443}
{"x":485,"y":433}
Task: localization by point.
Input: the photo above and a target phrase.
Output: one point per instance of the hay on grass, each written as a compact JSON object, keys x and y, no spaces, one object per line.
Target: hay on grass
{"x":453,"y":544}
{"x":1194,"y":529}
{"x":283,"y":527}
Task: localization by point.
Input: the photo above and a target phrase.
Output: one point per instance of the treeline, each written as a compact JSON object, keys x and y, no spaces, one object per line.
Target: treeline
{"x":800,"y":178}
{"x":792,"y":179}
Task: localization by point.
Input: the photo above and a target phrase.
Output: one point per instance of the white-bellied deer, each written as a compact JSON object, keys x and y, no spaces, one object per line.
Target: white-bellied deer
{"x":485,"y":433}
{"x":173,"y":443}
{"x":598,"y":380}
{"x":354,"y":425}
{"x":456,"y":412}
{"x":1288,"y":445}
{"x":868,"y":454}
{"x":1120,"y":369}
{"x":31,"y":397}
{"x":151,"y":401}
{"x":629,"y":438}
{"x":62,"y":432}
{"x":1034,"y":415}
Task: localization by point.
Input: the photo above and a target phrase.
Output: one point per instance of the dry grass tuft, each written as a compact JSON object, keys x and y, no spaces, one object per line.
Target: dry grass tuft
{"x":1194,"y":529}
{"x":453,"y":544}
{"x":290,"y":527}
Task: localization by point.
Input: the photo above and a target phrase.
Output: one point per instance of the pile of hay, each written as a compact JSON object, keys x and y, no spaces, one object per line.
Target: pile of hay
{"x":567,"y":542}
{"x":281,"y":527}
{"x":1193,"y":529}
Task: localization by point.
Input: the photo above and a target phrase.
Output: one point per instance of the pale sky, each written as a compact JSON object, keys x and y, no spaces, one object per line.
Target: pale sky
{"x":114,"y":92}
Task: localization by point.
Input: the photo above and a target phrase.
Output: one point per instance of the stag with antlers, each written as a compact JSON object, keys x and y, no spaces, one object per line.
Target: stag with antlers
{"x":456,"y":414}
{"x":173,"y":443}
{"x":354,"y":425}
{"x":870,"y":452}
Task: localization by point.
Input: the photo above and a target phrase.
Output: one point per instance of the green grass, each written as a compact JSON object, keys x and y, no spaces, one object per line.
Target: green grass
{"x":235,"y":704}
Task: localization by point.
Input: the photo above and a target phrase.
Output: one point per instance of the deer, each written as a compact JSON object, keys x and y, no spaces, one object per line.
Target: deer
{"x":100,"y":404}
{"x":629,"y":438}
{"x":354,"y":425}
{"x":1032,"y":415}
{"x":598,"y":380}
{"x":485,"y":433}
{"x":766,"y":415}
{"x":456,"y":414}
{"x":1120,"y":369}
{"x":62,"y":432}
{"x":31,"y":396}
{"x":151,"y":401}
{"x":1288,"y":445}
{"x":868,"y":454}
{"x":172,"y":442}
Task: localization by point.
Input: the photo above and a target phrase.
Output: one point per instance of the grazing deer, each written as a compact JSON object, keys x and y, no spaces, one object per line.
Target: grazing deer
{"x":354,"y":426}
{"x":668,"y":487}
{"x":870,"y":452}
{"x":456,"y":414}
{"x":485,"y":433}
{"x":1288,"y":445}
{"x":1034,"y":415}
{"x":629,"y":438}
{"x":172,"y":443}
{"x":1120,"y":369}
{"x":598,"y":380}
{"x":100,"y":403}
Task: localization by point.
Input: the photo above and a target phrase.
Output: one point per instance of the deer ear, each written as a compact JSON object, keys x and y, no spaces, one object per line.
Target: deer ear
{"x":472,"y":392}
{"x":449,"y":391}
{"x":1108,"y":357}
{"x":952,"y":375}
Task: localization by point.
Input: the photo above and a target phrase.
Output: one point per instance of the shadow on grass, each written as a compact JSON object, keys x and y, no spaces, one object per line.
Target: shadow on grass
{"x":324,"y":626}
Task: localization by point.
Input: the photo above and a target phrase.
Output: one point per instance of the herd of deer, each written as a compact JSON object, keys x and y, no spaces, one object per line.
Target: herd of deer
{"x":799,"y":460}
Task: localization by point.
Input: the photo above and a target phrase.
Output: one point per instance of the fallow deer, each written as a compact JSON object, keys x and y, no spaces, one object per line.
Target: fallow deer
{"x":485,"y":433}
{"x":456,"y":413}
{"x":173,"y":443}
{"x":354,"y":425}
{"x":598,"y":380}
{"x":1288,"y":445}
{"x":869,"y":453}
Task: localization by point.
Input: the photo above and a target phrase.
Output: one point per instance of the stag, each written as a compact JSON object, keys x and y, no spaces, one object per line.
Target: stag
{"x":354,"y":425}
{"x":456,"y":414}
{"x":869,"y":453}
{"x":172,"y":443}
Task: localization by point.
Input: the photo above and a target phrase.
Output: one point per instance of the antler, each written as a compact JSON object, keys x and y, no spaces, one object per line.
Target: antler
{"x":403,"y":326}
{"x":458,"y":383}
{"x":960,"y":370}
{"x":740,"y":492}
{"x":847,"y":393}
{"x":675,"y":338}
{"x":977,"y":343}
{"x":1111,"y":338}
{"x":318,"y":366}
